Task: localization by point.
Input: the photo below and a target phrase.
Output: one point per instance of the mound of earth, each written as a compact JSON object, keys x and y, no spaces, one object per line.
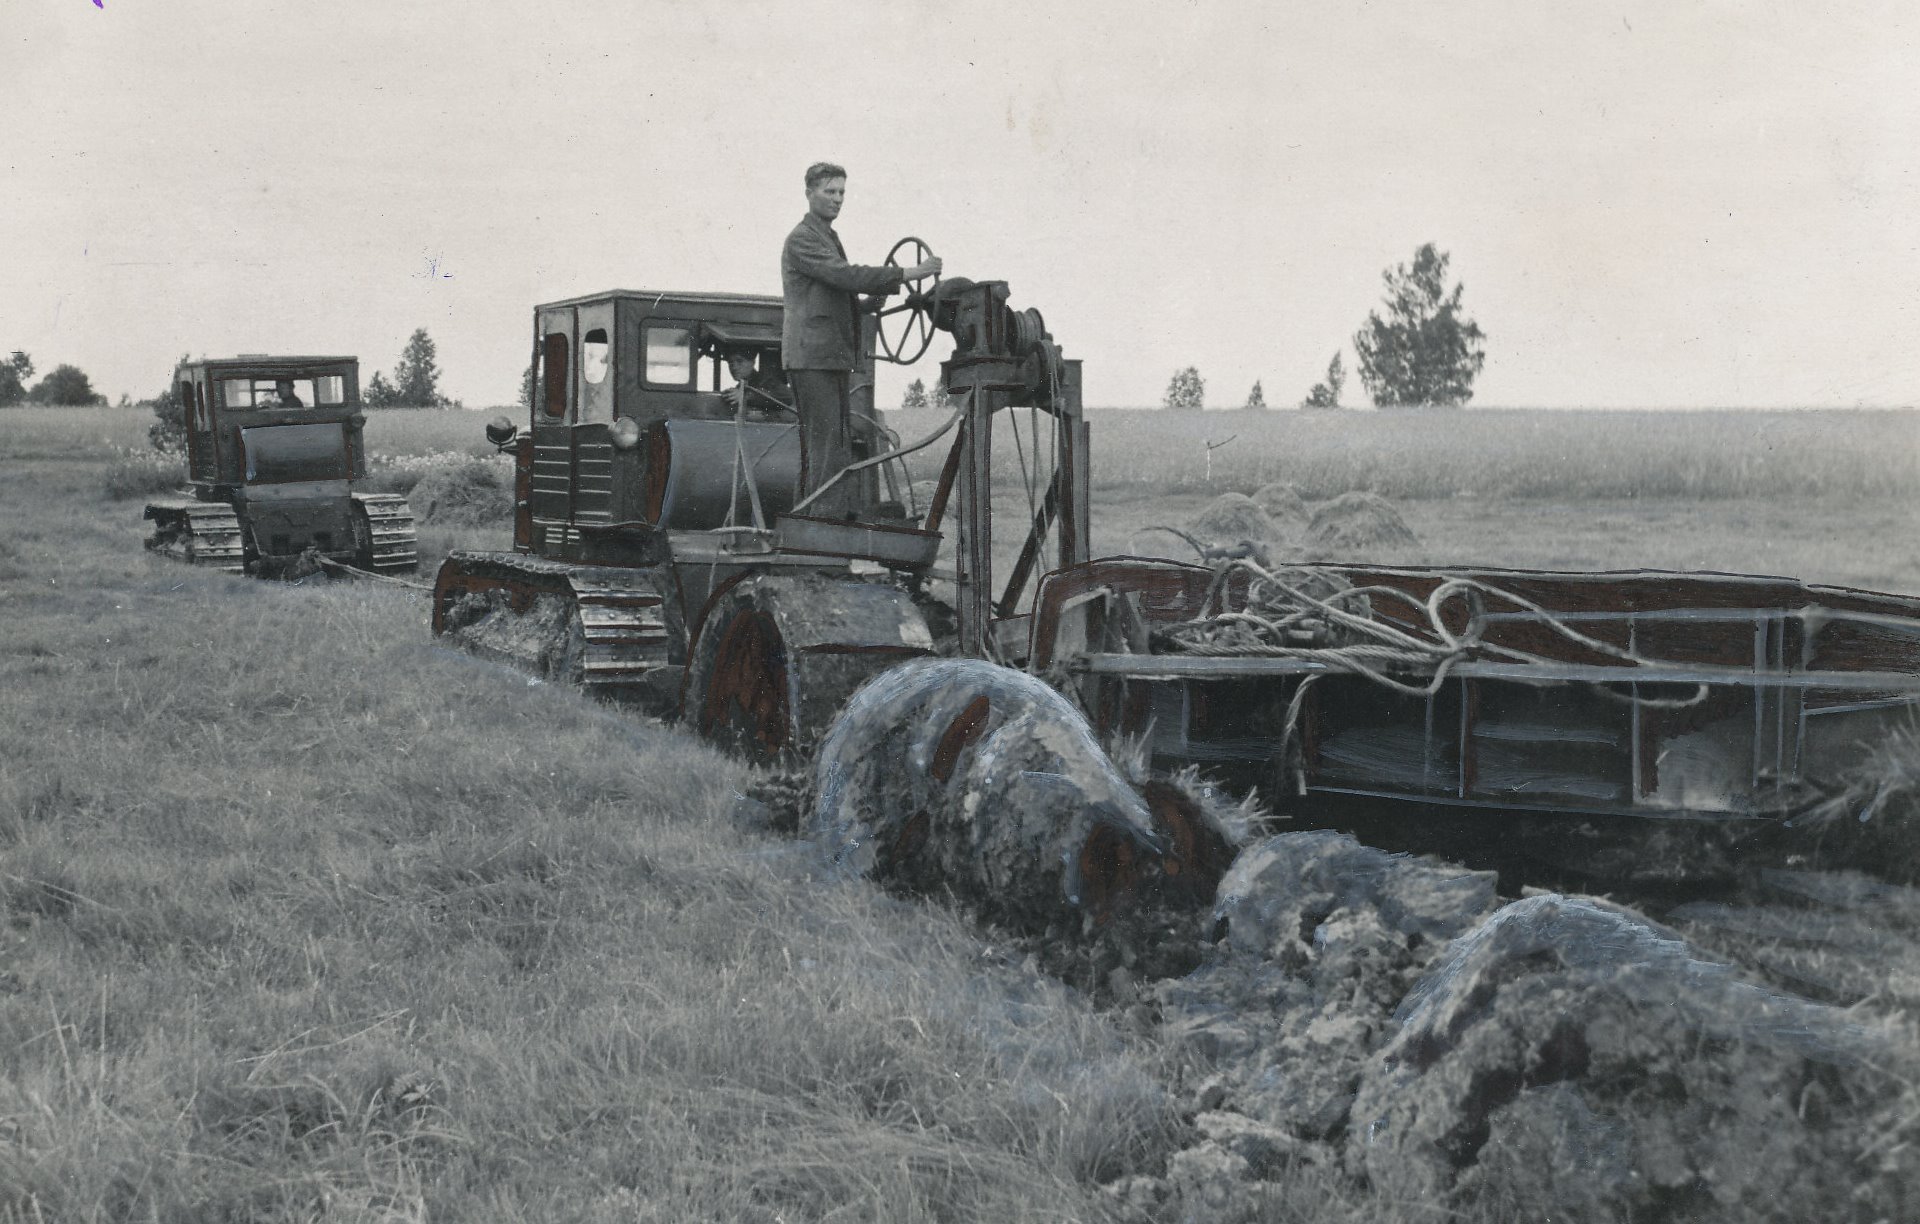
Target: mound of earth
{"x":1283,"y":505}
{"x":1573,"y":1056}
{"x":1233,"y":518}
{"x":1385,"y":1021}
{"x":1356,"y":522}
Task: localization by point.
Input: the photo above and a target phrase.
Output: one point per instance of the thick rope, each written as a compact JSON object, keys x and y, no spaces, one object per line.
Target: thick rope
{"x":358,"y":572}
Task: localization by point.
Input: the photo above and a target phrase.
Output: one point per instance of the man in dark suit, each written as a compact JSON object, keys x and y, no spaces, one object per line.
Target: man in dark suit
{"x":820,"y":334}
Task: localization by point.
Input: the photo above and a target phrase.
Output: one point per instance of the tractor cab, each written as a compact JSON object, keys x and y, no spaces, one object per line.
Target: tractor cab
{"x":271,"y":422}
{"x":657,"y":414}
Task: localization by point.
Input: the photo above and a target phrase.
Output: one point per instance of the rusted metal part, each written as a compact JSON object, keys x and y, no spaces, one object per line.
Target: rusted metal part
{"x":905,"y":548}
{"x":1631,"y":693}
{"x":957,"y":774}
{"x":199,"y":533}
{"x":1030,"y":551}
{"x":943,"y":488}
{"x":775,"y":655}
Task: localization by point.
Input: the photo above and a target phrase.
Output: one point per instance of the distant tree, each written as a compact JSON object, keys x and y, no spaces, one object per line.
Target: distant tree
{"x":1186,"y":390}
{"x":1256,"y":398}
{"x":416,"y":379}
{"x":168,"y":433}
{"x":916,"y":395}
{"x":1327,"y":394}
{"x":14,"y":373}
{"x":379,"y":393}
{"x":1425,"y":351}
{"x":526,"y":388}
{"x":66,"y":385}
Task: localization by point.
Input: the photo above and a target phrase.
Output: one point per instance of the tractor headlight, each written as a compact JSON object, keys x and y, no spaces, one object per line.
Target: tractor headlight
{"x":626,"y":433}
{"x":500,"y":431}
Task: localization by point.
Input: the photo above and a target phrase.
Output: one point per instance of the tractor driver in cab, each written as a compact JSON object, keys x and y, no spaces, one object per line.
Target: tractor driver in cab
{"x":820,"y":335}
{"x":284,"y":395}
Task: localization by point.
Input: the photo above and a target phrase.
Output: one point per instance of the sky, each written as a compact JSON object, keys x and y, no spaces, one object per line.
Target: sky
{"x":1650,"y":203}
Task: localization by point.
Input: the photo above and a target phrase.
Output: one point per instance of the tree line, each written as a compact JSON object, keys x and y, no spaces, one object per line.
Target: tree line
{"x":65,"y":385}
{"x":1424,"y":352}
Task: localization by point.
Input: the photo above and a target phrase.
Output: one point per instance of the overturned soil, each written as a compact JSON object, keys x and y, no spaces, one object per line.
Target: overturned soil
{"x":1398,"y":1029}
{"x":1393,"y":1024}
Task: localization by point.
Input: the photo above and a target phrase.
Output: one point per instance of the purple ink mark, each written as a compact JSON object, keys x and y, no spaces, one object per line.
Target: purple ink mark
{"x":99,"y":4}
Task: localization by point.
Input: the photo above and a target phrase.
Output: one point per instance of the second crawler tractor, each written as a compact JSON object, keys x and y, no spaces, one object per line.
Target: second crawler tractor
{"x":275,"y":448}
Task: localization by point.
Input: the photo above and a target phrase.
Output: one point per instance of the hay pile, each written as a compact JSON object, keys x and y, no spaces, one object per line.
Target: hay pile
{"x":1356,"y":523}
{"x":473,"y":493}
{"x":1233,"y":518}
{"x":1283,"y":505}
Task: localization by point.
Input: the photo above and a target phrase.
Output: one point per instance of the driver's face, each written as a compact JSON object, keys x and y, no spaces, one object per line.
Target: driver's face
{"x":824,"y":197}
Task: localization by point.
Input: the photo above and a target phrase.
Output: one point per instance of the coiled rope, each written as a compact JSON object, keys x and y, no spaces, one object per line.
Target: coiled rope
{"x":1283,"y":617}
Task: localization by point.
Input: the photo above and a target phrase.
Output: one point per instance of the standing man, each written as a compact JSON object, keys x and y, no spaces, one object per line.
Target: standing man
{"x":820,"y":334}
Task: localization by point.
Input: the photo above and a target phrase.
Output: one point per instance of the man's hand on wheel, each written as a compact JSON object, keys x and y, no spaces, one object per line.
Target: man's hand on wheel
{"x":931,"y":267}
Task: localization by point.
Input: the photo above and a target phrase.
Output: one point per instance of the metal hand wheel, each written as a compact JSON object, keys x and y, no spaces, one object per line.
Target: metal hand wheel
{"x":906,"y":340}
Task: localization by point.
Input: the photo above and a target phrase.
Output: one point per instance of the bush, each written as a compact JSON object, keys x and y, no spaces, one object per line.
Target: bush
{"x":447,"y":488}
{"x":142,"y":473}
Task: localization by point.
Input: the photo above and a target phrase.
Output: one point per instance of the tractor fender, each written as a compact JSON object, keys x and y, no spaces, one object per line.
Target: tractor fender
{"x":773,"y":658}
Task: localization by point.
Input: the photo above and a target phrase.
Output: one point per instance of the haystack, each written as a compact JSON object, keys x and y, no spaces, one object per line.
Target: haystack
{"x":1356,"y":522}
{"x":1283,"y":504}
{"x":1232,"y":518}
{"x":473,"y":493}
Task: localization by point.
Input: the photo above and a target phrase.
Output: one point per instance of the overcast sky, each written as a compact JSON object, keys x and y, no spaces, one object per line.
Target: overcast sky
{"x":1650,"y":202}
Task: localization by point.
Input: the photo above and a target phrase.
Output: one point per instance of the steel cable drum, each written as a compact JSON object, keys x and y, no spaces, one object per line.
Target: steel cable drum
{"x":691,"y":479}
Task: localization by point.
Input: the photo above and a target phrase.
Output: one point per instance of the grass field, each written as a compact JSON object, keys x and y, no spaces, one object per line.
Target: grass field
{"x":306,"y":918}
{"x":1824,"y":496}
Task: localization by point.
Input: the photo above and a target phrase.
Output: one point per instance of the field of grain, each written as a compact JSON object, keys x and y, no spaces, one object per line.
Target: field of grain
{"x":306,"y":918}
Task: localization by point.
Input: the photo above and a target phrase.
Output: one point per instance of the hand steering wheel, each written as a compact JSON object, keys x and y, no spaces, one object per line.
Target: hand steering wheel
{"x":915,"y":322}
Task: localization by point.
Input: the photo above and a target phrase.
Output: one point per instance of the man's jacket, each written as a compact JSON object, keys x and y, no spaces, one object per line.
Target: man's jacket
{"x":821,"y":330}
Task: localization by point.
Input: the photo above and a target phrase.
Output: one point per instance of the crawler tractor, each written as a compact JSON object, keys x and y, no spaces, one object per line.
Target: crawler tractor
{"x":664,"y":554}
{"x":274,"y":448}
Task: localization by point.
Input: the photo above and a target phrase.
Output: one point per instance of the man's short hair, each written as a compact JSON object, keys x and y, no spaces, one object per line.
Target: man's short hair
{"x":820,"y":172}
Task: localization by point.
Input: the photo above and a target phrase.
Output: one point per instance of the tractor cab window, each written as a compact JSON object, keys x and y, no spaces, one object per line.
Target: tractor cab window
{"x":268,"y":392}
{"x":553,"y":374}
{"x":596,"y":404}
{"x":669,"y":350}
{"x":330,"y":389}
{"x":593,"y":356}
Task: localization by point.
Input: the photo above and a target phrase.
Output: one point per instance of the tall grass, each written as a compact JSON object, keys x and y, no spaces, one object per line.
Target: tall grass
{"x":1513,"y":454}
{"x":1417,"y":455}
{"x":67,"y":433}
{"x":306,"y":916}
